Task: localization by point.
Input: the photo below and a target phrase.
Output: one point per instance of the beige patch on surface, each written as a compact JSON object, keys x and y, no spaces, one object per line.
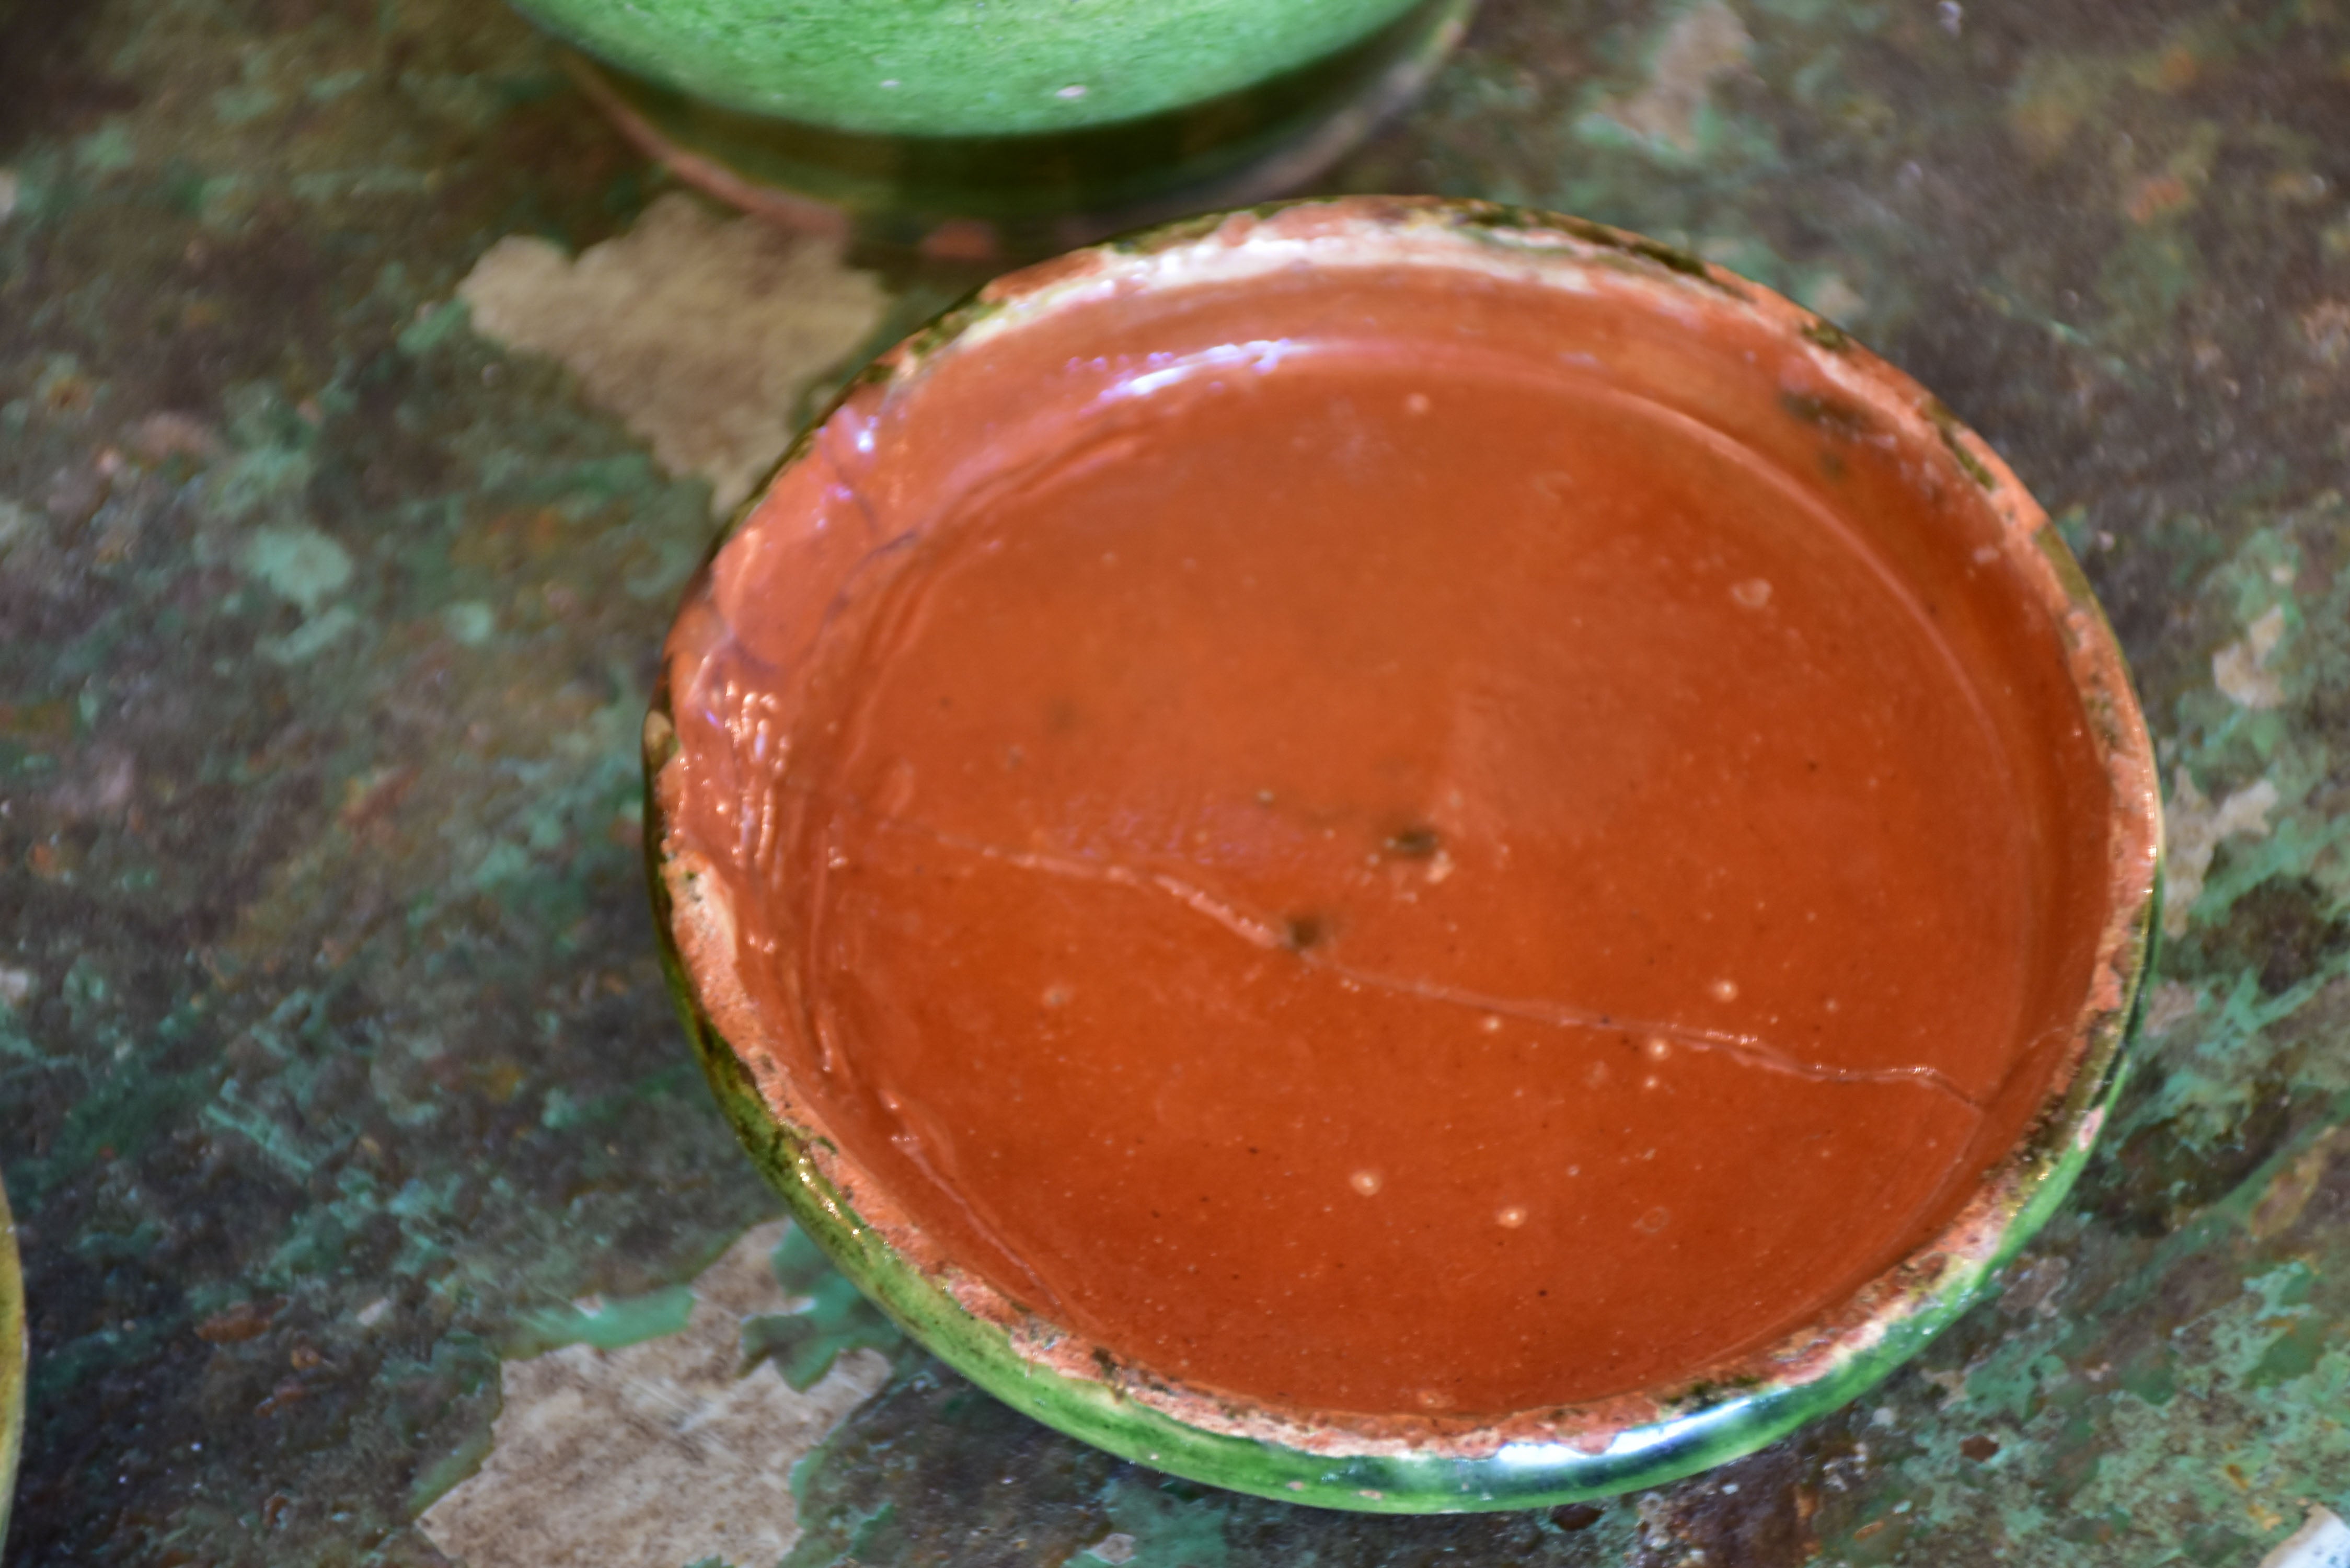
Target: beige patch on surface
{"x":2322,"y":1541}
{"x":2289,"y":1191}
{"x":1836,"y":300}
{"x":655,"y":1454}
{"x":2197,"y":828}
{"x":701,"y":331}
{"x":1706,"y":43}
{"x":2167,"y":1006}
{"x":2242,"y":670}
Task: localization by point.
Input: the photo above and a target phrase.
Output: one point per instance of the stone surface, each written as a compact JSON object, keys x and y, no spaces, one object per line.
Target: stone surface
{"x":334,"y":1065}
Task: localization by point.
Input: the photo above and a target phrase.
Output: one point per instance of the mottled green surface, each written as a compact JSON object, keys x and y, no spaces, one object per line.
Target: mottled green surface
{"x":961,"y":67}
{"x":333,"y":1054}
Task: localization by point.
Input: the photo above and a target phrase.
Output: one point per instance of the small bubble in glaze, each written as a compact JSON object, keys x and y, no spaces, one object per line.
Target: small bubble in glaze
{"x":1365,"y":1182}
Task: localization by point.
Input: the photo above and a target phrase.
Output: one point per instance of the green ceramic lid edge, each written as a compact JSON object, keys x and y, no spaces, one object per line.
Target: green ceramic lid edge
{"x":12,"y":1363}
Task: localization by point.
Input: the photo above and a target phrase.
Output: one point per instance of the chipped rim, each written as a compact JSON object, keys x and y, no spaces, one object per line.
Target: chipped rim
{"x":1408,"y":1463}
{"x":12,"y":1362}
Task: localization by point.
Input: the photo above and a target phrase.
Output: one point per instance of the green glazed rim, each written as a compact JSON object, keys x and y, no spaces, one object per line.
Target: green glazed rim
{"x":1410,"y":1464}
{"x":12,"y":1362}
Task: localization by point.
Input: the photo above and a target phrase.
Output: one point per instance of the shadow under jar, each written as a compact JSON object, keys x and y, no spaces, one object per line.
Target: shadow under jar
{"x":1404,"y":855}
{"x":1014,"y":128}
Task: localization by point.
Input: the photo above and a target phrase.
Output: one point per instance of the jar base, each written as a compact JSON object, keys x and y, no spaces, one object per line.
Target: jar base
{"x":1000,"y":198}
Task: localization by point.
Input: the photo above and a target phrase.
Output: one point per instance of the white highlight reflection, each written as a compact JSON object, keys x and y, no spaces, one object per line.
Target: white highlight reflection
{"x":1260,"y":354}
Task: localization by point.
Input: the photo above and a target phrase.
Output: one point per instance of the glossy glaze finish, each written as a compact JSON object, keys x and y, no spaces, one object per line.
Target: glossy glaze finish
{"x":1020,"y":186}
{"x":12,"y":1362}
{"x":2152,"y":351}
{"x":1918,"y":583}
{"x":1008,"y":67}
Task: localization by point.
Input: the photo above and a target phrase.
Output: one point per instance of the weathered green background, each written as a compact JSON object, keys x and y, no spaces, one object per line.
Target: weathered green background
{"x":332,"y":1052}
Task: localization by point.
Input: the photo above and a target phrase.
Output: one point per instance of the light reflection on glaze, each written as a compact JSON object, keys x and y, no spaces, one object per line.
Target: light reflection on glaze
{"x":953,"y":942}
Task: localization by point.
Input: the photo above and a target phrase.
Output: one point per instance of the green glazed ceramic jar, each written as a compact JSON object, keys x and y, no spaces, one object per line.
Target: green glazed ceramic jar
{"x":1789,"y":388}
{"x":1008,"y":128}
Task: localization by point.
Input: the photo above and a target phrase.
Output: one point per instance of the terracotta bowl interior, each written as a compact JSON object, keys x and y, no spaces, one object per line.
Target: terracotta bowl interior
{"x":978,"y":393}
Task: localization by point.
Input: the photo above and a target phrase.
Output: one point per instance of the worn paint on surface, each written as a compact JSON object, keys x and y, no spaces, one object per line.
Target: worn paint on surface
{"x":671,"y":1449}
{"x":333,"y":1056}
{"x":698,"y":331}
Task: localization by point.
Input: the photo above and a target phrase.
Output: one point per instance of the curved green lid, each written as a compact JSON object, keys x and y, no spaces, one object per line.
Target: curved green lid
{"x":945,"y":67}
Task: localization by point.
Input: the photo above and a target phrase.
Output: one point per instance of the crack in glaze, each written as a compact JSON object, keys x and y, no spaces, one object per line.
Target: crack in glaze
{"x":1748,"y":1050}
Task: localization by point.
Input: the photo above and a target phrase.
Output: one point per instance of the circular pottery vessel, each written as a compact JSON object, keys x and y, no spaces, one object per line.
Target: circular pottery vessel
{"x":1459,"y":1376}
{"x":1023,"y":130}
{"x":12,"y":1362}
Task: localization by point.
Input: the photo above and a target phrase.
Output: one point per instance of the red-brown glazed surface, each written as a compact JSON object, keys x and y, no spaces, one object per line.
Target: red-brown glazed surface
{"x":1394,"y":841}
